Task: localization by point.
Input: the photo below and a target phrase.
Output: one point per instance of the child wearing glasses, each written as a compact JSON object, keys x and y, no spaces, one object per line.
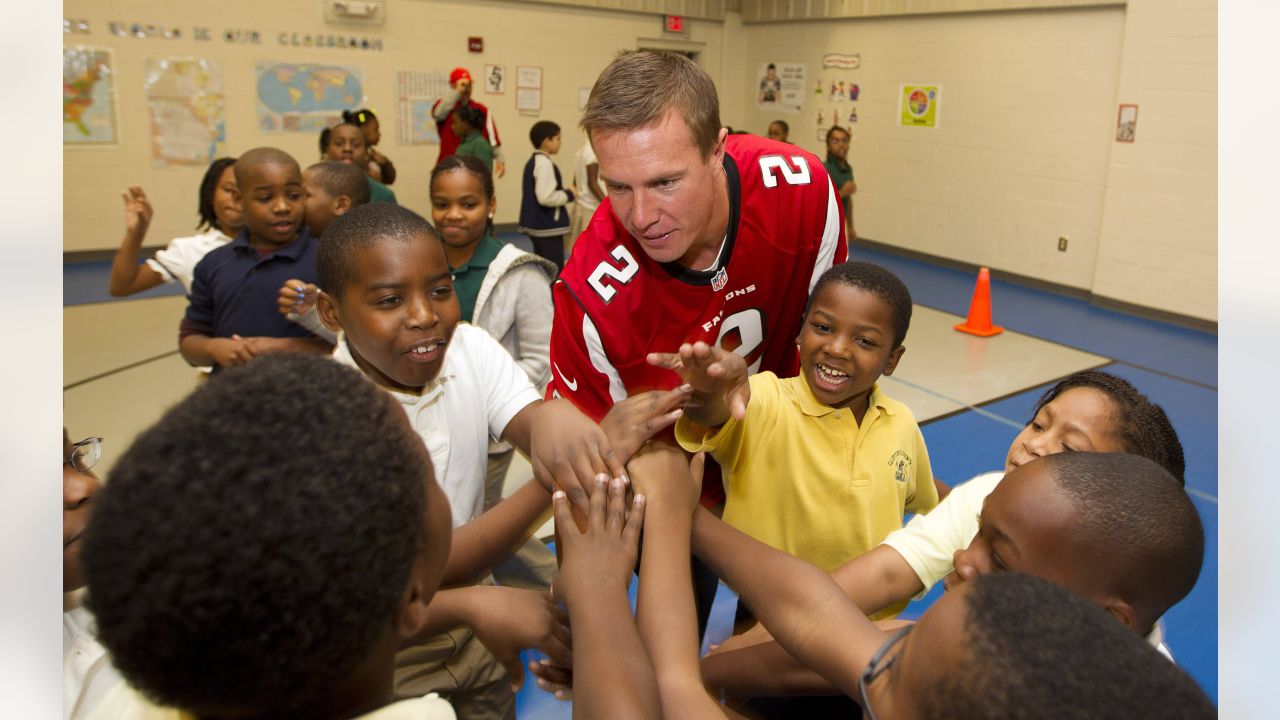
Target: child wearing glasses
{"x":87,"y":671}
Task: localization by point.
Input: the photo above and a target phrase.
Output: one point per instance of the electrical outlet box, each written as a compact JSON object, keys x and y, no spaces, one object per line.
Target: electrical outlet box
{"x":361,"y":12}
{"x":1062,"y":244}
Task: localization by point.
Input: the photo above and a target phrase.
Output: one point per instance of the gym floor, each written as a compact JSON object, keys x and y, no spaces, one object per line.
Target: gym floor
{"x":121,"y":370}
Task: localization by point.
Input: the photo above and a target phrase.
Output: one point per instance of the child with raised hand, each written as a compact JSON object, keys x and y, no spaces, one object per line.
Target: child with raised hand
{"x":350,"y":516}
{"x":220,"y":220}
{"x":230,"y":318}
{"x":468,"y":122}
{"x":615,"y":678}
{"x":345,"y":143}
{"x":823,"y":465}
{"x":544,"y":215}
{"x":1086,"y":412}
{"x":387,"y":286}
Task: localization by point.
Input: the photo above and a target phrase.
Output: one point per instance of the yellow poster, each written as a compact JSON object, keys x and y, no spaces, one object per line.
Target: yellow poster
{"x":920,"y":105}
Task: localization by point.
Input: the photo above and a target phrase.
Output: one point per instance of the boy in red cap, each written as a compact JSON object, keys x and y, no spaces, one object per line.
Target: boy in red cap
{"x":459,"y":95}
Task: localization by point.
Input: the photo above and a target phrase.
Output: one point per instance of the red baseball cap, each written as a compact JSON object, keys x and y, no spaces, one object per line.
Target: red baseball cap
{"x":458,"y":74}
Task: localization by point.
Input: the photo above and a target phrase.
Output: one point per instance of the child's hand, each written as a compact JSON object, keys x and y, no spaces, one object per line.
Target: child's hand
{"x":569,"y":452}
{"x":633,"y":421}
{"x":553,"y":678}
{"x":296,"y":297}
{"x":137,"y":212}
{"x":602,"y":557}
{"x":231,"y":351}
{"x":507,"y":620}
{"x":717,"y":375}
{"x":667,"y":477}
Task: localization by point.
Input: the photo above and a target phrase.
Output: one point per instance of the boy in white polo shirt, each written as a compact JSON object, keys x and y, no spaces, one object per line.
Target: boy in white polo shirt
{"x":386,"y":285}
{"x":821,"y":466}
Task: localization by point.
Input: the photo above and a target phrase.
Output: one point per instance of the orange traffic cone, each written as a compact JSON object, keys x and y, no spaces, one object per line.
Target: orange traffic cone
{"x":979,"y":321}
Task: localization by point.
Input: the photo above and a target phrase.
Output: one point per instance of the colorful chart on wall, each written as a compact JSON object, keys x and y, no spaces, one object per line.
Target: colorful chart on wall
{"x":920,"y":105}
{"x":88,"y":116}
{"x":302,"y":97}
{"x":416,"y":92}
{"x":185,"y":101}
{"x":781,"y":87}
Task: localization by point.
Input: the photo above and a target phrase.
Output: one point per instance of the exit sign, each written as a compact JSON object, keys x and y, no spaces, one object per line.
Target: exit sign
{"x":675,"y":24}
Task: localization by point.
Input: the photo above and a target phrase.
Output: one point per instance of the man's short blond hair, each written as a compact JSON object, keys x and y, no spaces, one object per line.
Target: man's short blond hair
{"x":638,"y":88}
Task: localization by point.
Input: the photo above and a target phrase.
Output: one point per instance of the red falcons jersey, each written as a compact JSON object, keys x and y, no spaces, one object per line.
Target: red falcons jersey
{"x":614,"y":304}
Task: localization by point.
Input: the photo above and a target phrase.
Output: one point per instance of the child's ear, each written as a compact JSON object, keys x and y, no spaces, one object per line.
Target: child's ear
{"x":411,"y":613}
{"x":894,"y":358}
{"x":1124,"y":612}
{"x":341,"y":205}
{"x":327,"y":310}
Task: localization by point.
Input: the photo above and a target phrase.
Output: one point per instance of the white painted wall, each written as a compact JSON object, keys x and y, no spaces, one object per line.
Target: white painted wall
{"x":1159,"y":241}
{"x":1020,"y":154}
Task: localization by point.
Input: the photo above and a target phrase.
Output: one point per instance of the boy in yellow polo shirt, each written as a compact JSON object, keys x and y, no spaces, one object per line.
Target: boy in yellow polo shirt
{"x":821,"y":466}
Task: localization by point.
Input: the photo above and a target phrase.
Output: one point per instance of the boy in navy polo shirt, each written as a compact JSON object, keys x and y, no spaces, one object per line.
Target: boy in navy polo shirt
{"x":231,"y":316}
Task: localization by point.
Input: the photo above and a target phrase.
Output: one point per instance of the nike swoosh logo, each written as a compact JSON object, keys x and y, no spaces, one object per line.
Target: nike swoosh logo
{"x":571,"y":384}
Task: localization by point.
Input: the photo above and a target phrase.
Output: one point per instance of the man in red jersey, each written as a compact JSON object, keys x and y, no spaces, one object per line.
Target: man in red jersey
{"x":704,"y":236}
{"x":458,"y":96}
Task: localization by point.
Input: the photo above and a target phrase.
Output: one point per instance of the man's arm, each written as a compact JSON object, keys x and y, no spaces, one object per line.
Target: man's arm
{"x":445,"y":105}
{"x":491,"y":132}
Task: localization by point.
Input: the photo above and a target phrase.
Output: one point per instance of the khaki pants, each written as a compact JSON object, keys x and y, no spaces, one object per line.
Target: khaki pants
{"x":458,"y":667}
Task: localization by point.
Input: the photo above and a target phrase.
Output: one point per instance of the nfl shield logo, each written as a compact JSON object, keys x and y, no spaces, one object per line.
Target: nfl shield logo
{"x":720,"y":280}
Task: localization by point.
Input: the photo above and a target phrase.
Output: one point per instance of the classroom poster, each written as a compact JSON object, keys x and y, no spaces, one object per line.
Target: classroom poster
{"x":416,"y":92}
{"x":920,"y":104}
{"x":781,"y":87}
{"x":185,"y":103}
{"x":495,"y":79}
{"x":88,"y":113}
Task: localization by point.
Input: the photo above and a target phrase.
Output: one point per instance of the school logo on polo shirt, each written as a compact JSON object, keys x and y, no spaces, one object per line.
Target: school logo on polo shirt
{"x":903,"y":463}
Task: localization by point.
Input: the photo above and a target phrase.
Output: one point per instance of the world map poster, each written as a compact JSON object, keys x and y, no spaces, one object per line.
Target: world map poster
{"x":88,"y":116}
{"x":301,"y":97}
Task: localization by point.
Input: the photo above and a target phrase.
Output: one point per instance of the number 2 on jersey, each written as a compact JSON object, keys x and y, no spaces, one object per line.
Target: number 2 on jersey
{"x":747,"y":328}
{"x":770,"y":164}
{"x":622,"y":274}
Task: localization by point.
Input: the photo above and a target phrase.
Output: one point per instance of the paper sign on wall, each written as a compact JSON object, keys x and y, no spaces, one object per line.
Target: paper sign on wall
{"x":185,"y":102}
{"x":781,"y":87}
{"x":920,"y":104}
